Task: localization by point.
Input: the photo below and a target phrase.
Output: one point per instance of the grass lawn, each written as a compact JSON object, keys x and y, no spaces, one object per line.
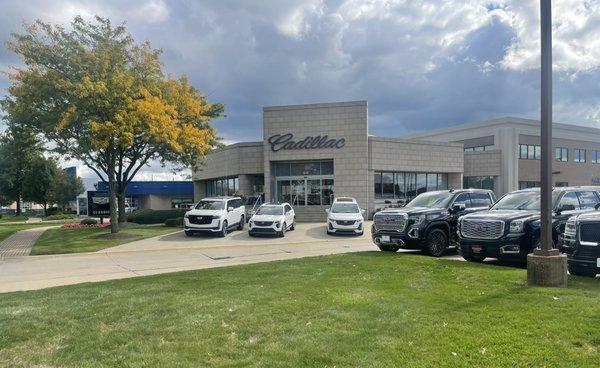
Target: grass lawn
{"x":12,"y":218}
{"x":366,"y":310}
{"x":59,"y":241}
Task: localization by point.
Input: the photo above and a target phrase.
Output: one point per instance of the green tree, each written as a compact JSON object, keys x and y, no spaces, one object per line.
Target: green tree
{"x":65,"y":188}
{"x":40,"y":180}
{"x":104,"y":100}
{"x":18,"y":148}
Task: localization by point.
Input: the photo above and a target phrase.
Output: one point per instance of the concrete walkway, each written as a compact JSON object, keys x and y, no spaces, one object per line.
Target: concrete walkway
{"x":20,"y":243}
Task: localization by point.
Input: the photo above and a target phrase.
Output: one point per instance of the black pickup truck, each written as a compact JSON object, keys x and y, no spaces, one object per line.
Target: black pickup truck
{"x":510,"y":229}
{"x":581,"y":243}
{"x":428,"y":222}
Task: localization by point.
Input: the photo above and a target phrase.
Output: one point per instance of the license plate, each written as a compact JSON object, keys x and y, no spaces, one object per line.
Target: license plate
{"x":385,"y":238}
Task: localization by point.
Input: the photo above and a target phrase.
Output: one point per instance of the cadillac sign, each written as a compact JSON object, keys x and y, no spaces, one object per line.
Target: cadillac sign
{"x":280,"y":142}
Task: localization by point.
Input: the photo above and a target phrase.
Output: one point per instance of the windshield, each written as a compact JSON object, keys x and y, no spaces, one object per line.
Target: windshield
{"x":341,"y":207}
{"x":270,"y":210}
{"x":521,"y":201}
{"x":210,"y":205}
{"x":431,"y":200}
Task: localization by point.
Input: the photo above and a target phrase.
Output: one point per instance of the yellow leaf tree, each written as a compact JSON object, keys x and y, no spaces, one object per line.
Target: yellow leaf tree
{"x":103,"y":99}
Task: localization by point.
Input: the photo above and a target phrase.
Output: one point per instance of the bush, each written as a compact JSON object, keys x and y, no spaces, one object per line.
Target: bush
{"x":60,"y":216}
{"x":174,"y":222}
{"x":89,"y":221}
{"x":154,"y":216}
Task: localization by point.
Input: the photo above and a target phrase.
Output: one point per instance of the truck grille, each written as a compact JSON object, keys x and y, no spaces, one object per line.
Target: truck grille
{"x":482,"y":229}
{"x":589,"y":232}
{"x":391,"y":222}
{"x":200,"y":220}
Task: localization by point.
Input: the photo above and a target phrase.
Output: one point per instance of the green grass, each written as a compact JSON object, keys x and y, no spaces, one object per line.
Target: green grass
{"x":12,"y":218}
{"x":61,"y":241}
{"x":360,"y":310}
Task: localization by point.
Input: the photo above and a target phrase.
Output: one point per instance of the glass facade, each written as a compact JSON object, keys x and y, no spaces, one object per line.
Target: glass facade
{"x":530,"y":152}
{"x":404,"y":185}
{"x":304,"y":183}
{"x":222,"y":187}
{"x":528,"y":184}
{"x":478,"y":182}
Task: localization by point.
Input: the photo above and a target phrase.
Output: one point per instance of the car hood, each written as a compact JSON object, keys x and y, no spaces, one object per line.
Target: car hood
{"x":504,"y":215}
{"x":590,"y":216}
{"x":345,"y":216}
{"x":411,"y":211}
{"x":272,"y":218}
{"x":206,"y":212}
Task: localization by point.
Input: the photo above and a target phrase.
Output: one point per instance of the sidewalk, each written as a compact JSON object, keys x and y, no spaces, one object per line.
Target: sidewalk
{"x":20,"y":243}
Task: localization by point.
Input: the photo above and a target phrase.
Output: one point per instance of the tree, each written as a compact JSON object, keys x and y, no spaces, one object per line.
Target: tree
{"x":65,"y":188}
{"x":40,"y":180}
{"x":18,"y":148}
{"x":104,"y":100}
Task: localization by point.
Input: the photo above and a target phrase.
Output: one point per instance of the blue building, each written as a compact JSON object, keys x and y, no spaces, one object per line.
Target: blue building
{"x":157,"y":195}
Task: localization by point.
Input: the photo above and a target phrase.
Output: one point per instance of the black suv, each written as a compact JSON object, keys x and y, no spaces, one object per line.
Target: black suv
{"x":581,"y":243}
{"x":511,"y":228}
{"x":428,"y":222}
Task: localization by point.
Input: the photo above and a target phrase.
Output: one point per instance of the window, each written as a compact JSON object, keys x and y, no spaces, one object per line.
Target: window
{"x":222,"y":187}
{"x":480,"y":199}
{"x":463,"y":198}
{"x":561,"y":184}
{"x":561,"y":154}
{"x":579,"y":155}
{"x":530,"y":152}
{"x":596,"y":157}
{"x":528,"y":184}
{"x":403,"y":185}
{"x":479,"y":148}
{"x":569,"y":198}
{"x":588,"y":199}
{"x":478,"y":182}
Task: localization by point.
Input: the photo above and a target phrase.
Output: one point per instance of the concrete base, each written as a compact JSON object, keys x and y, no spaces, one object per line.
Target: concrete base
{"x":545,"y":270}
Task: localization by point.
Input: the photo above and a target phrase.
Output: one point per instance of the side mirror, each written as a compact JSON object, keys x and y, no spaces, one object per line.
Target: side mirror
{"x":229,"y":209}
{"x":457,"y":207}
{"x":362,"y":211}
{"x":566,"y":207}
{"x":327,"y":210}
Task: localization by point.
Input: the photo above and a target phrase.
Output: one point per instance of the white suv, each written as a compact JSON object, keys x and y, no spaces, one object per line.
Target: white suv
{"x":344,"y":216}
{"x":272,"y":218}
{"x":215,"y":215}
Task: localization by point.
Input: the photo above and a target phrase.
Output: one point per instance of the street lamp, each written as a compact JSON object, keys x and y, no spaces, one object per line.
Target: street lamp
{"x":546,"y":266}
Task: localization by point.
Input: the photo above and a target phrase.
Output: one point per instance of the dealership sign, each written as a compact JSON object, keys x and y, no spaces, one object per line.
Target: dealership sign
{"x":280,"y":142}
{"x":98,"y":203}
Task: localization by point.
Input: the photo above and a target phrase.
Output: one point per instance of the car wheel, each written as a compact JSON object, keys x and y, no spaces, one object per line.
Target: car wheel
{"x":388,"y":248}
{"x":436,"y":243}
{"x":188,"y":233}
{"x":223,"y":232}
{"x":473,"y":258}
{"x":293,"y":227}
{"x":581,"y":271}
{"x":361,"y":233}
{"x":241,"y":224}
{"x":282,"y":232}
{"x":251,"y":234}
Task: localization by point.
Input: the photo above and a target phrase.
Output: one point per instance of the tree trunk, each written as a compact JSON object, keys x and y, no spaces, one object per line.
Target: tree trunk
{"x":112,"y":194}
{"x":18,"y":210}
{"x":121,"y":204}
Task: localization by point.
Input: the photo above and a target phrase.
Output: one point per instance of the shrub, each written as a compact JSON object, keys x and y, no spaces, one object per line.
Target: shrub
{"x":174,"y":222}
{"x":154,"y":216}
{"x":89,"y":221}
{"x":60,"y":216}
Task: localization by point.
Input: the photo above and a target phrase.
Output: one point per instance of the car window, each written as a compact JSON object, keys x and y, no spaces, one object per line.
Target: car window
{"x":481,"y":200}
{"x":270,"y":210}
{"x":288,"y":208}
{"x":588,"y":199}
{"x":344,"y":207}
{"x":210,"y":205}
{"x":569,"y":198}
{"x":464,"y":199}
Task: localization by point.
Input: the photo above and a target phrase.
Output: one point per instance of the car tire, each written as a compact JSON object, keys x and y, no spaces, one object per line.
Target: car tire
{"x":282,"y":232}
{"x":473,"y":258}
{"x":388,"y":248}
{"x":581,"y":271}
{"x":293,"y":227}
{"x":241,"y":224}
{"x":188,"y":233}
{"x":436,"y":243}
{"x":223,"y":232}
{"x":251,"y":234}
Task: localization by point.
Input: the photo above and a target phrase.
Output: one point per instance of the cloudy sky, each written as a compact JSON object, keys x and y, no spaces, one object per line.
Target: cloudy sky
{"x":420,"y":64}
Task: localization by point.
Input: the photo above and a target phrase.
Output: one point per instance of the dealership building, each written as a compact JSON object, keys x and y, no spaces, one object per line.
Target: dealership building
{"x":311,"y":153}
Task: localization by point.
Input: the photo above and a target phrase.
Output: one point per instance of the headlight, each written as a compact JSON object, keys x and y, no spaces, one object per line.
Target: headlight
{"x":416,"y":220}
{"x":516,"y":226}
{"x":186,"y":215}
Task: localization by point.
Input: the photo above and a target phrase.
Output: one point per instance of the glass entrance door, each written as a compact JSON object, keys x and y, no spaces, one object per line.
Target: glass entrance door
{"x":305,"y":191}
{"x":298,"y":192}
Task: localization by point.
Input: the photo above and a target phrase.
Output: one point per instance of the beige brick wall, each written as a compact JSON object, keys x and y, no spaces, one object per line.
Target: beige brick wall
{"x":485,"y":163}
{"x":233,"y":160}
{"x":346,"y":120}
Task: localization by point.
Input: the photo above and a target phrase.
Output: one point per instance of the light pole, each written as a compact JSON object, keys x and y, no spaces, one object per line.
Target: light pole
{"x":546,"y":266}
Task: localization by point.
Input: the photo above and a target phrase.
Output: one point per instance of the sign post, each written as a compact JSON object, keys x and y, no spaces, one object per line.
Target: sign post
{"x":546,"y":266}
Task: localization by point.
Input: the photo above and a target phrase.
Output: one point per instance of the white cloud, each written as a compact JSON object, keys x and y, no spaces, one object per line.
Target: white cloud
{"x":295,"y":23}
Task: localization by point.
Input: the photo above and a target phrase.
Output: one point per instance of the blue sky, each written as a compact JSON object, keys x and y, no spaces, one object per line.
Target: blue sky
{"x":420,"y":64}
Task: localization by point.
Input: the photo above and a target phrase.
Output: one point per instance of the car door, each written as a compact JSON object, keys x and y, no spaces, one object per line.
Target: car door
{"x":232,"y":216}
{"x":569,"y":198}
{"x":288,"y":215}
{"x":480,"y":202}
{"x":462,"y":198}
